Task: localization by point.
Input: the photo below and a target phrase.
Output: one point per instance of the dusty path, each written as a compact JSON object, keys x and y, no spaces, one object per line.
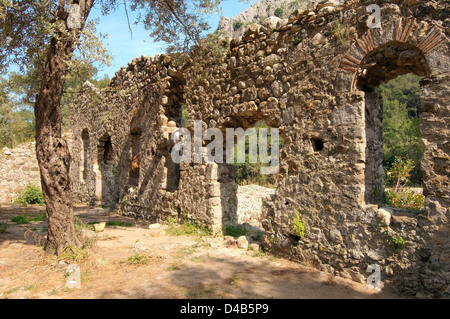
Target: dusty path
{"x":177,"y":266}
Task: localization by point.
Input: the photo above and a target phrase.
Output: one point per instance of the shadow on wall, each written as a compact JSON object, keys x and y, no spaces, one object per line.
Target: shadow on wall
{"x":228,"y":194}
{"x":104,"y":170}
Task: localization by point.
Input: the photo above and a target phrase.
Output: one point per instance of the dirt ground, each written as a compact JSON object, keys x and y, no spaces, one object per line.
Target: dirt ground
{"x":186,"y":266}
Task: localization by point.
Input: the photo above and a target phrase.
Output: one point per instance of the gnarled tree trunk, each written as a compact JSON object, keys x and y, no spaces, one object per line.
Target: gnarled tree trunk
{"x":51,"y":149}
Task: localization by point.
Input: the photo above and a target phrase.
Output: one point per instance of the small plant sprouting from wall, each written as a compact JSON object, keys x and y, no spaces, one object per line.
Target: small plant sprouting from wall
{"x":341,"y":32}
{"x":297,"y":40}
{"x":185,"y":114}
{"x":398,"y":242}
{"x":297,"y":224}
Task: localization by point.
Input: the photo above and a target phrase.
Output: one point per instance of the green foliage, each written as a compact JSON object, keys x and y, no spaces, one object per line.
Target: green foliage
{"x":241,"y":230}
{"x":341,"y":32}
{"x":185,"y":114}
{"x":215,"y":45}
{"x":32,"y":195}
{"x":405,"y":198}
{"x":237,"y":25}
{"x":397,"y":177}
{"x":187,"y":228}
{"x":401,"y":131}
{"x":118,"y":223}
{"x":398,"y":174}
{"x":249,"y":173}
{"x":16,"y":121}
{"x":74,"y":255}
{"x":279,"y":12}
{"x":298,"y":224}
{"x":236,"y":230}
{"x":398,"y":242}
{"x":137,"y":260}
{"x":26,"y":219}
{"x":297,"y":40}
{"x":3,"y":227}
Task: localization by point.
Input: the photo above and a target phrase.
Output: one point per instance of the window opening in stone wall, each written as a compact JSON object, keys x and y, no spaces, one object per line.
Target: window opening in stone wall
{"x":392,"y":107}
{"x":402,"y":151}
{"x":317,"y":144}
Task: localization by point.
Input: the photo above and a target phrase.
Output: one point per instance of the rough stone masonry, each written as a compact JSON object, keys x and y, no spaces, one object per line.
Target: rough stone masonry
{"x":314,"y":77}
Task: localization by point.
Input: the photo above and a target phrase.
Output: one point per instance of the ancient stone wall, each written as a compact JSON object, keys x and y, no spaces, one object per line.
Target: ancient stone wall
{"x":18,"y":167}
{"x":314,"y":78}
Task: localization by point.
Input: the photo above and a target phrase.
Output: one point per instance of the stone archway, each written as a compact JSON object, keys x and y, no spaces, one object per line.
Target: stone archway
{"x":402,"y":46}
{"x":381,"y":65}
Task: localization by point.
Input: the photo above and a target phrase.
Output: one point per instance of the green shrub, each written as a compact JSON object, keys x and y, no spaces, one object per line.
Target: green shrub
{"x":297,"y":224}
{"x":405,"y":199}
{"x":3,"y":227}
{"x":398,"y":174}
{"x":25,"y":219}
{"x":187,"y":228}
{"x":398,"y":242}
{"x":137,"y":260}
{"x":32,"y":195}
{"x":237,"y":25}
{"x":279,"y":12}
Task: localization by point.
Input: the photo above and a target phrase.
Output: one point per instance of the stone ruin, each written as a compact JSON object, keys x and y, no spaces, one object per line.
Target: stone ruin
{"x":314,"y":77}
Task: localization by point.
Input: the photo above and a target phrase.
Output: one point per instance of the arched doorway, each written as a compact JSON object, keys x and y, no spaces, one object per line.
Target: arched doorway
{"x":381,"y":65}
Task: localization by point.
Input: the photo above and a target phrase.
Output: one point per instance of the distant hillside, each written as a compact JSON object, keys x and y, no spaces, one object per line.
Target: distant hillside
{"x":259,"y":12}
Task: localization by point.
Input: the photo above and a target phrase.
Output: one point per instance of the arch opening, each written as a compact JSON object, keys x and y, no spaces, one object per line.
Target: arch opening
{"x":382,"y":65}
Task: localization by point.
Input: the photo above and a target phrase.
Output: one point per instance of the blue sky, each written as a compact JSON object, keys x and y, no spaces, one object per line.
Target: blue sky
{"x":124,"y":48}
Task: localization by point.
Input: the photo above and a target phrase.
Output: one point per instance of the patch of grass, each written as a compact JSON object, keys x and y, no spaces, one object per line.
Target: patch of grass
{"x":236,"y":230}
{"x":260,"y":253}
{"x":241,"y":230}
{"x":79,"y":224}
{"x":118,"y":223}
{"x":21,"y":219}
{"x":30,"y":287}
{"x":187,"y":228}
{"x":74,"y":255}
{"x":26,"y":219}
{"x":12,"y":290}
{"x":198,"y":259}
{"x":137,"y":260}
{"x":199,"y":293}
